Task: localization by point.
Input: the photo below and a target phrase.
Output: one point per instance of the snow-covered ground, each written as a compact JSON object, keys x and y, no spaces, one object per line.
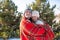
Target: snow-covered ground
{"x":12,"y":39}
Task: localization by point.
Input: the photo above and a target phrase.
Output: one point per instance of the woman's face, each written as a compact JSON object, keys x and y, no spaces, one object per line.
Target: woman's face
{"x":27,"y":14}
{"x":34,"y":18}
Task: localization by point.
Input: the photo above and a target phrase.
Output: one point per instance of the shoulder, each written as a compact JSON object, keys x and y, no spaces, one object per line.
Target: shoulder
{"x":26,"y":21}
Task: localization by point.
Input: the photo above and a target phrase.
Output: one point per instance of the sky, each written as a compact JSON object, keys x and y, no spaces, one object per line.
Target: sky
{"x":22,"y":4}
{"x":57,"y":3}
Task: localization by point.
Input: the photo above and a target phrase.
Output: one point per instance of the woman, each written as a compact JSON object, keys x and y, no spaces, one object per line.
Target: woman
{"x":25,"y":19}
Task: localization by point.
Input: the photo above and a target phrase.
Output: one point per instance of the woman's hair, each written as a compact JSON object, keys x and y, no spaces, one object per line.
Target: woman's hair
{"x":29,"y":10}
{"x":26,"y":10}
{"x":31,"y":19}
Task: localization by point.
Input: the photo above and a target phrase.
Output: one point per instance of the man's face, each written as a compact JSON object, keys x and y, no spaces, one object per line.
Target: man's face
{"x":27,"y":14}
{"x":34,"y":18}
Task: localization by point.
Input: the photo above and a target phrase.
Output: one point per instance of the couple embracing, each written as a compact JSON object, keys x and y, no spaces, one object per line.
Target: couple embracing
{"x":34,"y":28}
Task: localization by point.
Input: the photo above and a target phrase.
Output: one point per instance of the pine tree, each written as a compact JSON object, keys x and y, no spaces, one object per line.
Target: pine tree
{"x":9,"y":22}
{"x":57,"y":26}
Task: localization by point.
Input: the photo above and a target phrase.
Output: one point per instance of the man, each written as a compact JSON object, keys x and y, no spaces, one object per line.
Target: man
{"x":49,"y":34}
